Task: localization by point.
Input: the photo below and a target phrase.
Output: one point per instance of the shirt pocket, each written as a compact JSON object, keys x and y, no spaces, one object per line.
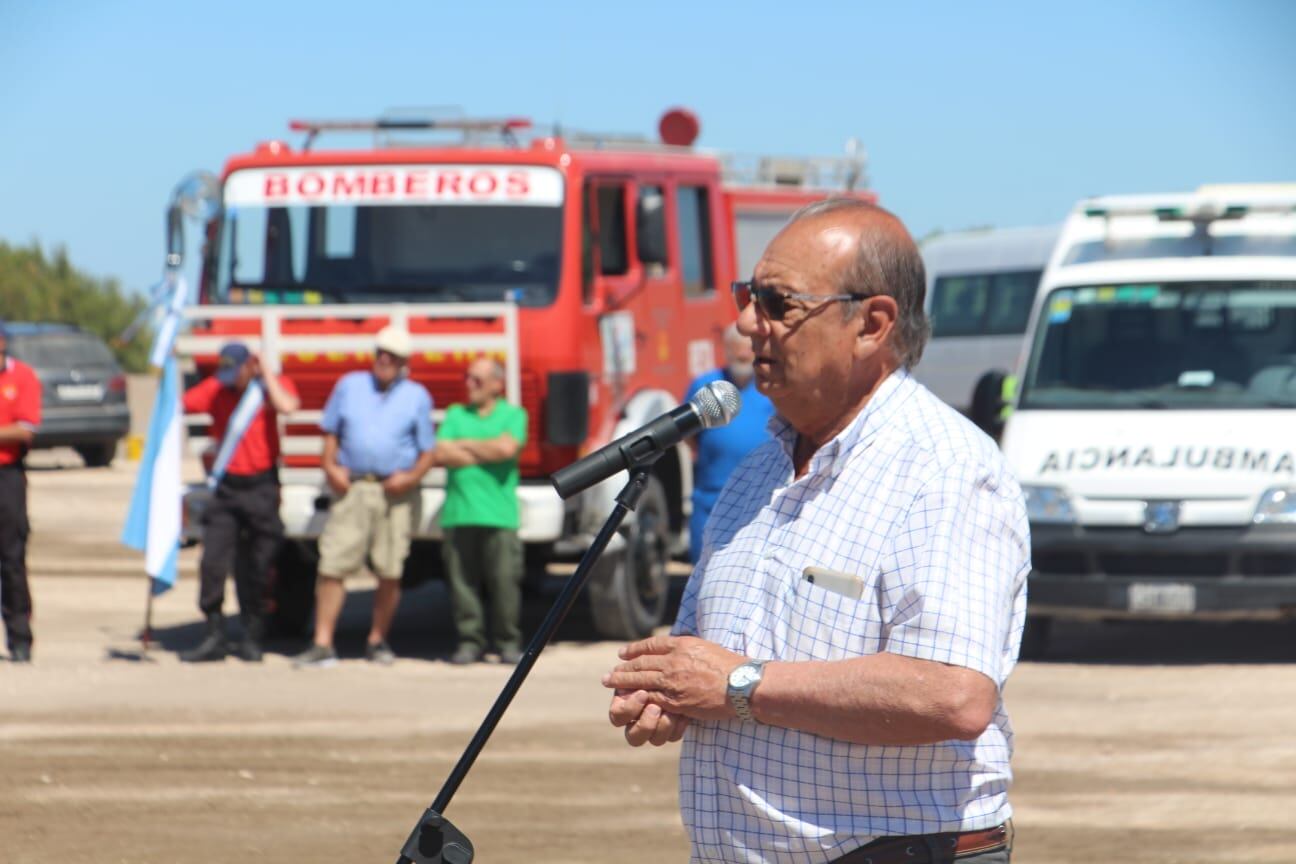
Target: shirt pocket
{"x":823,"y":624}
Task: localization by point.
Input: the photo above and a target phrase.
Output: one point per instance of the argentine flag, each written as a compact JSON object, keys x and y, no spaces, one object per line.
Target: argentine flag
{"x":153,"y":523}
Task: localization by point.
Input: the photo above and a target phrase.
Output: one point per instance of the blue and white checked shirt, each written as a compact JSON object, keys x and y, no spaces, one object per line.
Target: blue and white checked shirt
{"x":917,"y":502}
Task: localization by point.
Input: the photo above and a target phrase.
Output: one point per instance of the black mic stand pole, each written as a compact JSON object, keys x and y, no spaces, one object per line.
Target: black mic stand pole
{"x":434,"y":839}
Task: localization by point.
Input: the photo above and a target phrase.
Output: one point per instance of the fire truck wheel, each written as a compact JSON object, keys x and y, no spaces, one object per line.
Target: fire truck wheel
{"x":1035,"y":638}
{"x":628,"y":589}
{"x":292,"y":588}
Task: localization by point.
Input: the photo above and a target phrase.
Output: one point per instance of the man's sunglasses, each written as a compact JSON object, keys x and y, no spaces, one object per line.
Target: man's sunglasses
{"x":773,"y":303}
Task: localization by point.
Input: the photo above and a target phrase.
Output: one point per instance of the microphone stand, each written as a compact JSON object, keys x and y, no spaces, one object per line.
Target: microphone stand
{"x":434,"y":839}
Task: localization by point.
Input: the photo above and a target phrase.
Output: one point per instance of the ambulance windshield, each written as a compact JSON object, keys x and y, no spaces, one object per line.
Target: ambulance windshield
{"x":390,"y":234}
{"x":1165,"y":345}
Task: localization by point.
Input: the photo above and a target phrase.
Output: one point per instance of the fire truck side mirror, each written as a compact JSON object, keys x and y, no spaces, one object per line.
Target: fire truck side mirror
{"x":650,"y":225}
{"x":566,"y":420}
{"x":197,"y":197}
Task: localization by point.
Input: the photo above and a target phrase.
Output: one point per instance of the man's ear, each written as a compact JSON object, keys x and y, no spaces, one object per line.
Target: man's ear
{"x":874,"y":323}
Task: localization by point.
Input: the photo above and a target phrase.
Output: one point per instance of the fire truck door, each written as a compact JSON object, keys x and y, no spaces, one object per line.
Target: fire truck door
{"x":706,"y":309}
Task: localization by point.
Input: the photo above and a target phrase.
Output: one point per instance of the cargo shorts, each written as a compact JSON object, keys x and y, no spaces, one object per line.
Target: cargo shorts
{"x":368,"y":523}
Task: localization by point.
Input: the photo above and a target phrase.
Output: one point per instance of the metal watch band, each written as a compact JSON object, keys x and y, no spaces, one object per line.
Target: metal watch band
{"x":740,"y":697}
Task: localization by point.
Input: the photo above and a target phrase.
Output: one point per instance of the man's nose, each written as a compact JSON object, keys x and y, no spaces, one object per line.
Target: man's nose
{"x":751,"y":322}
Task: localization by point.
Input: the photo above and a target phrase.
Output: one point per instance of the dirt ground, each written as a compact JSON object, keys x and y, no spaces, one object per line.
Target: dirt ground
{"x":1135,"y":743}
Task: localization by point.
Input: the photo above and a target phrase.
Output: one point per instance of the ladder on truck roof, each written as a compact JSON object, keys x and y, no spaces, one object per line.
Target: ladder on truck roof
{"x":473,"y":131}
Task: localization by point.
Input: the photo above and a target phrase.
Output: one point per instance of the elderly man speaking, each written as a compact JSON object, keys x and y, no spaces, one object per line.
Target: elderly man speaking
{"x":838,"y":663}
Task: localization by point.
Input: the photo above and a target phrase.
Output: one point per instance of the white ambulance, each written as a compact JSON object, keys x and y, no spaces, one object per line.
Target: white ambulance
{"x":1154,"y":426}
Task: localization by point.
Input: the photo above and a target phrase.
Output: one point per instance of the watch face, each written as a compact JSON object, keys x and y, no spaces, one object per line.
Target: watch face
{"x":743,"y":676}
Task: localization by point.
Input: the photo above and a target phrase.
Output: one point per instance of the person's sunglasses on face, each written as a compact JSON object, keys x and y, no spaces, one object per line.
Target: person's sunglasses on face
{"x":773,"y":303}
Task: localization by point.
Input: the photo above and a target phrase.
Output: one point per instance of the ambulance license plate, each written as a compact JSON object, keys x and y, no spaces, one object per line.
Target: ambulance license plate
{"x":1164,"y":597}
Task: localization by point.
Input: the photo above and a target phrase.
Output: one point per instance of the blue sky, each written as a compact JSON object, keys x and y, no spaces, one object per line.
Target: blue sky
{"x":1000,"y":113}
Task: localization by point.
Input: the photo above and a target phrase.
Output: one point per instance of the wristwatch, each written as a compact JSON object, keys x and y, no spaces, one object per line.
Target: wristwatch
{"x":742,"y":683}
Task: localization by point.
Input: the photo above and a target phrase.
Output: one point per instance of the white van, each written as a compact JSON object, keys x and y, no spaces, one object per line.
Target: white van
{"x":981,"y":287}
{"x":1154,"y":429}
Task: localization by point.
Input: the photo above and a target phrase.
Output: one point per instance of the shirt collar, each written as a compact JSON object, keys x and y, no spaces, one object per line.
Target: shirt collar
{"x":876,"y":414}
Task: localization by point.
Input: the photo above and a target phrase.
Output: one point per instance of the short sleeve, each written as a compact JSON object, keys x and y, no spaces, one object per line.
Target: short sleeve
{"x":517,"y":424}
{"x":27,"y":408}
{"x":424,"y":435}
{"x":449,"y":429}
{"x":953,"y":582}
{"x":331,"y":421}
{"x":198,"y":398}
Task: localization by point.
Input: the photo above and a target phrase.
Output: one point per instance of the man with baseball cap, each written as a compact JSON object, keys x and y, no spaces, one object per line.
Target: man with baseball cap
{"x":378,"y":444}
{"x":242,"y":521}
{"x":20,"y":414}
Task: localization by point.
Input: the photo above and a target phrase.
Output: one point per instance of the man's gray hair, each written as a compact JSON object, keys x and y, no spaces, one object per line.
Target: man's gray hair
{"x":886,"y":262}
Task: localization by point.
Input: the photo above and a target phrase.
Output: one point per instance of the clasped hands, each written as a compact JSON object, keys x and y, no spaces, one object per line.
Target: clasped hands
{"x":664,"y":682}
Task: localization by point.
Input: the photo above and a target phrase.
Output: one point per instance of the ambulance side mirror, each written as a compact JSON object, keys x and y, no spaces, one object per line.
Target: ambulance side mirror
{"x":650,"y":225}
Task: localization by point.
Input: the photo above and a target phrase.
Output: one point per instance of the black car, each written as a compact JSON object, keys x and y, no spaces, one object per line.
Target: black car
{"x":83,"y":390}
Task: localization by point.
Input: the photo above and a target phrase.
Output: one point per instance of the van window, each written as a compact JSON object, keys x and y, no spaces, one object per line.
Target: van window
{"x":986,"y":304}
{"x":694,"y":219}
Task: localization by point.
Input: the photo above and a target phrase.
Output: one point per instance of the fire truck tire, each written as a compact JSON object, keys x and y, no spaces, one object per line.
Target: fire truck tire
{"x":1035,"y":638}
{"x":292,"y":589}
{"x":628,"y":589}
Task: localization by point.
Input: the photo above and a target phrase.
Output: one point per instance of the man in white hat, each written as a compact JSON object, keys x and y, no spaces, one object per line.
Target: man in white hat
{"x":378,"y":444}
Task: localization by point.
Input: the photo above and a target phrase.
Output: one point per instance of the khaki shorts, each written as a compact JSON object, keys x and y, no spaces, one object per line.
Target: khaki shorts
{"x":367,"y":522}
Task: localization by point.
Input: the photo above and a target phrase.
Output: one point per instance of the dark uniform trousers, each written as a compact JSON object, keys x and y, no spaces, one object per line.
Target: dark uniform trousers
{"x":15,"y":596}
{"x":241,"y":532}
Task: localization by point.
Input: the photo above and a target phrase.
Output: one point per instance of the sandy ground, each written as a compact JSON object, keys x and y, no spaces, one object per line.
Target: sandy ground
{"x":1154,"y":743}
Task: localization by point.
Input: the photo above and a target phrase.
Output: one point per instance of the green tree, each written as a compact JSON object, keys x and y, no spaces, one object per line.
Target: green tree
{"x":37,"y":287}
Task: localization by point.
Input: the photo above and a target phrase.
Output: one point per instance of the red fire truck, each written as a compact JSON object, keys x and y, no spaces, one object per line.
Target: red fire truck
{"x":596,"y":269}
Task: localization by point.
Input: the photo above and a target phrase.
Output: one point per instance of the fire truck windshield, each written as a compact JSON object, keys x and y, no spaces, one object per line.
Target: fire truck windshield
{"x":374,"y":253}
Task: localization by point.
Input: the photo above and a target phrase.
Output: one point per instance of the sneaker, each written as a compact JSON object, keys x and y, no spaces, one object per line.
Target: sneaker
{"x":465,"y":654}
{"x":510,"y":656}
{"x":316,"y":657}
{"x":380,"y":653}
{"x":20,"y":653}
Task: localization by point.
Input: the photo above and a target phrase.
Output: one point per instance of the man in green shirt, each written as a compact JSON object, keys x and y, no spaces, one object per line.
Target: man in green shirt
{"x":478,"y":444}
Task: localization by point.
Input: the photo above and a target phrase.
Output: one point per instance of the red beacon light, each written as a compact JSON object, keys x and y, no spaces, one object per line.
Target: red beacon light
{"x":679,"y":127}
{"x":272,"y":148}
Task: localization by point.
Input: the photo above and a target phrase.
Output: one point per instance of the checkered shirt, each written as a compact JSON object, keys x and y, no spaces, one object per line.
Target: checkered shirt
{"x":916,"y":501}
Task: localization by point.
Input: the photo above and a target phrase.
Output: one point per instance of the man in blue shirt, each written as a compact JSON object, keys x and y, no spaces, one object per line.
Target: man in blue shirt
{"x":719,"y":450}
{"x":378,"y":444}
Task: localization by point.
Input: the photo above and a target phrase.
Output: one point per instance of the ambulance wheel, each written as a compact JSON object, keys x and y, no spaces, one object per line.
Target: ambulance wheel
{"x":628,"y":589}
{"x":292,"y":589}
{"x":1035,"y":638}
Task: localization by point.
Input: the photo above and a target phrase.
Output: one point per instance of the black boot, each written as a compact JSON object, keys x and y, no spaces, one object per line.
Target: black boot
{"x":253,"y":634}
{"x":213,"y":647}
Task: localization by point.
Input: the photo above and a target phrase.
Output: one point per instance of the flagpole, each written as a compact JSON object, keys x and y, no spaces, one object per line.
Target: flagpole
{"x":146,"y":635}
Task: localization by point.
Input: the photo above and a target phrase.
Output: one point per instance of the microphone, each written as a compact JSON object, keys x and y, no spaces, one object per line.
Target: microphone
{"x":714,"y":405}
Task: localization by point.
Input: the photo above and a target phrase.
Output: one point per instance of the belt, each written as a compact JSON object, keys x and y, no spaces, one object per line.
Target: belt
{"x":370,"y":478}
{"x":249,"y":481}
{"x":930,"y":848}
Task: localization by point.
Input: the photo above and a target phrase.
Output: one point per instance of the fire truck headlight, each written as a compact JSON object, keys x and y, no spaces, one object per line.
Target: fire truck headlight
{"x":1048,"y":505}
{"x":1277,"y":507}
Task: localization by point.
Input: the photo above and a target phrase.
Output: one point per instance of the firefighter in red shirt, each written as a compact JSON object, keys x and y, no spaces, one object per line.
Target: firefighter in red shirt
{"x":20,"y":408}
{"x":243,"y":514}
